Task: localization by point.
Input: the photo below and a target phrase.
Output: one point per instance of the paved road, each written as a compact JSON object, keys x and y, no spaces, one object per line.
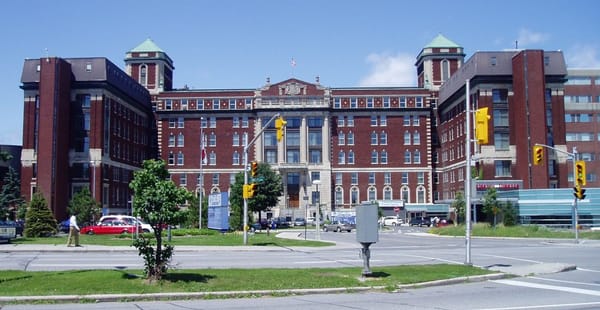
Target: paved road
{"x":537,"y":260}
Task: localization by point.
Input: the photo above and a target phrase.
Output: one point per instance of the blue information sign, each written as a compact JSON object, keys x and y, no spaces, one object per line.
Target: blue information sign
{"x":218,"y":211}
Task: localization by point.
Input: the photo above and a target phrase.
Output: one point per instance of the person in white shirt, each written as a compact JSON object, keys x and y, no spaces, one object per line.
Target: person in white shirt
{"x":73,"y":231}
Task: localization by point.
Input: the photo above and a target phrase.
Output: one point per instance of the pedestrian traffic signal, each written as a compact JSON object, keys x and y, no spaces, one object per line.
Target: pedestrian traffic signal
{"x":279,"y":125}
{"x":538,"y":154}
{"x":580,"y":172}
{"x":253,"y":168}
{"x":481,"y":125}
{"x":248,"y":191}
{"x":579,"y":192}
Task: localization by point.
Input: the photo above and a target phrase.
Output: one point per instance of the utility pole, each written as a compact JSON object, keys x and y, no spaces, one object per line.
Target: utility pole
{"x":468,"y":176}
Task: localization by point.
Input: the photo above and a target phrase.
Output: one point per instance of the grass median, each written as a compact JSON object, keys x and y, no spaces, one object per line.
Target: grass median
{"x":183,"y":237}
{"x":519,"y":231}
{"x":86,"y":282}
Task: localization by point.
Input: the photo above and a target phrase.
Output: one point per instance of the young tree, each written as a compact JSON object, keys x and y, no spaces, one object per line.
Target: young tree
{"x":268,"y":191}
{"x":509,"y":214}
{"x":40,"y":220}
{"x":156,"y":199}
{"x":491,"y":205}
{"x":10,"y":196}
{"x":459,"y":204}
{"x":86,"y":208}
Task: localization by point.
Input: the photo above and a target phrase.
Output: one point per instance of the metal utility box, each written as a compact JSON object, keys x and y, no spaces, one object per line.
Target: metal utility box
{"x":367,"y":228}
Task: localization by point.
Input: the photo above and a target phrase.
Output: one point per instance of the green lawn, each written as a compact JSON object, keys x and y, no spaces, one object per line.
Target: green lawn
{"x":183,"y":237}
{"x":519,"y":231}
{"x":84,"y":282}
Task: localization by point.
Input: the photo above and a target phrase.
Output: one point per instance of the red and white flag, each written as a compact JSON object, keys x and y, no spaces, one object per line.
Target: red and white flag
{"x":203,"y":152}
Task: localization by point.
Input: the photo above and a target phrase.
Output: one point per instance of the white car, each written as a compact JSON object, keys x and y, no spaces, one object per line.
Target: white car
{"x":392,"y":221}
{"x":147,"y":228}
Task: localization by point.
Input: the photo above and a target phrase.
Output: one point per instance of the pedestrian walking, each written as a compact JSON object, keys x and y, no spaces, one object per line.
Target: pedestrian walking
{"x":73,"y":232}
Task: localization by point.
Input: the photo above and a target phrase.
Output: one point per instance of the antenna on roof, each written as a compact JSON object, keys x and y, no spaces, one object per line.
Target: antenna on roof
{"x":516,"y":44}
{"x":47,"y":57}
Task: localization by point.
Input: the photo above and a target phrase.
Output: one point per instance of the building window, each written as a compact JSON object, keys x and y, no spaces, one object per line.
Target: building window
{"x":215,"y":104}
{"x":407,"y":157}
{"x":168,"y":104}
{"x":212,"y":158}
{"x":354,"y":196}
{"x":373,"y":138}
{"x":212,"y":139}
{"x":184,"y":104}
{"x":420,"y":177}
{"x":236,"y":158}
{"x":180,"y":140}
{"x":374,"y":157}
{"x":172,"y":122}
{"x":387,"y":178}
{"x":200,"y":104}
{"x":338,"y":178}
{"x":293,"y":156}
{"x":340,"y":121}
{"x":354,"y":178}
{"x":415,"y":121}
{"x":235,"y":122}
{"x":339,"y":196}
{"x":403,"y":102}
{"x":419,"y":102}
{"x":337,"y":102}
{"x":383,"y":138}
{"x":341,"y":138}
{"x":341,"y":158}
{"x":382,"y":120}
{"x":183,"y":179}
{"x":372,"y":195}
{"x":351,"y":157}
{"x":406,"y":120}
{"x":369,"y":102}
{"x":417,"y":157}
{"x":387,"y":193}
{"x":501,"y":117}
{"x":416,"y":138}
{"x":350,"y":121}
{"x":445,"y":70}
{"x":404,"y":194}
{"x":421,"y":194}
{"x":406,"y":138}
{"x":502,"y":168}
{"x":180,"y":159}
{"x":171,"y":140}
{"x":236,"y":139}
{"x":180,"y":122}
{"x":245,"y":122}
{"x":231,"y":104}
{"x":384,"y":157}
{"x":386,"y":102}
{"x":350,"y":138}
{"x":501,"y":141}
{"x":315,"y":156}
{"x":373,"y":120}
{"x":371,"y":177}
{"x":353,"y":102}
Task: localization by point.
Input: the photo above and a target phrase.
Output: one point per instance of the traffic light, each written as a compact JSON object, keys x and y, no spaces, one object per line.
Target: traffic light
{"x":279,"y":125}
{"x":481,"y":125}
{"x":538,"y":154}
{"x":248,"y":191}
{"x":253,"y":168}
{"x":579,"y":192}
{"x":580,"y":172}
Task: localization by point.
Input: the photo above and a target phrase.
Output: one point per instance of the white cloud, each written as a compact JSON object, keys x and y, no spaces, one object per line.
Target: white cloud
{"x":583,"y":56}
{"x":527,"y":38}
{"x":390,"y":70}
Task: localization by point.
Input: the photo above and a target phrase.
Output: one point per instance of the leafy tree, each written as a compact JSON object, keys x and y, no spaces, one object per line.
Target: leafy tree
{"x":5,"y":156}
{"x":491,"y":205}
{"x":459,"y":204}
{"x":10,"y":196}
{"x":86,"y":208}
{"x":40,"y":220}
{"x":268,"y":191}
{"x":509,"y":214}
{"x":156,"y":199}
{"x":191,"y":217}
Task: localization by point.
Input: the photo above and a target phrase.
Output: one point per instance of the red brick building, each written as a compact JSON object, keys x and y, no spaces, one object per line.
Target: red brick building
{"x":86,"y":124}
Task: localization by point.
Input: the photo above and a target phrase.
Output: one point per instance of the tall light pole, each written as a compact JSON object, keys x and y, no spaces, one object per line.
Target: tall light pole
{"x":201,"y":175}
{"x":468,"y":175}
{"x":93,"y":163}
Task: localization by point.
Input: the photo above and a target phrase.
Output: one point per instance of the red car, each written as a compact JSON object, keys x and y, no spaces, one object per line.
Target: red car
{"x":112,"y":226}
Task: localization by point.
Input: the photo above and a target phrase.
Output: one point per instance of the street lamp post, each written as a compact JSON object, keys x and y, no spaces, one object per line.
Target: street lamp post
{"x":318,"y":204}
{"x":201,"y":175}
{"x":93,"y":163}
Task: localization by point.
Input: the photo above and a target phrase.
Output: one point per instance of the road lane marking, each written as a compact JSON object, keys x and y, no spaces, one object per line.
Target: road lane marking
{"x":513,"y":258}
{"x":549,"y":287}
{"x":546,"y":306}
{"x":563,"y":281}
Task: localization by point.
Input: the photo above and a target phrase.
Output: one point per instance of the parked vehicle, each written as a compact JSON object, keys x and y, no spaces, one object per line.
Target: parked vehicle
{"x":147,"y":228}
{"x":339,"y":226}
{"x":420,"y":221}
{"x":299,"y":222}
{"x":391,"y":221}
{"x":310,"y":220}
{"x":113,"y":226}
{"x":8,"y":231}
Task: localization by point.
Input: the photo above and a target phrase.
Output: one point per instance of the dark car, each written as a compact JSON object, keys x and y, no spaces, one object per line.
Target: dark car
{"x":299,"y":222}
{"x":420,"y":221}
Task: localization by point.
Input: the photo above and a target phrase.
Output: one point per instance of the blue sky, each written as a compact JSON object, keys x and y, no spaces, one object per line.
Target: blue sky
{"x":238,"y":44}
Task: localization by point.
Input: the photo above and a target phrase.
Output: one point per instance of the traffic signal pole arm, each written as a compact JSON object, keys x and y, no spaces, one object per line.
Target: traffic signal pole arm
{"x":573,"y":156}
{"x":246,"y":147}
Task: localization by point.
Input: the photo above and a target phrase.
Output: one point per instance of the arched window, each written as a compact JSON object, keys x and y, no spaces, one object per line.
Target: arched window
{"x":180,"y":159}
{"x":420,"y":194}
{"x":354,"y":196}
{"x":236,"y":158}
{"x":406,"y":138}
{"x":351,"y":157}
{"x":417,"y":157}
{"x":384,"y":157}
{"x":374,"y":157}
{"x":341,"y":158}
{"x":180,"y":140}
{"x":416,"y":138}
{"x":387,"y":193}
{"x":339,"y":196}
{"x":405,"y":194}
{"x":407,"y":156}
{"x":171,"y":140}
{"x":372,"y":195}
{"x":144,"y":75}
{"x":445,"y":70}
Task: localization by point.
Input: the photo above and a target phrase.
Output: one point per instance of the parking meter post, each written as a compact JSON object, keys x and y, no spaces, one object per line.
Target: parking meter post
{"x":367,"y":232}
{"x":365,"y":254}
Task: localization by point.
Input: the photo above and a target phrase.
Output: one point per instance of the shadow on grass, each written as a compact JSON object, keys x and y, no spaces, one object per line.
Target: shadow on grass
{"x":265,"y":244}
{"x":378,"y":274}
{"x":187,"y":277}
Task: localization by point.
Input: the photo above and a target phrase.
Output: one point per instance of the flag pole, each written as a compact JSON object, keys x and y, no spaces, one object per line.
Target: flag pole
{"x":201,"y":175}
